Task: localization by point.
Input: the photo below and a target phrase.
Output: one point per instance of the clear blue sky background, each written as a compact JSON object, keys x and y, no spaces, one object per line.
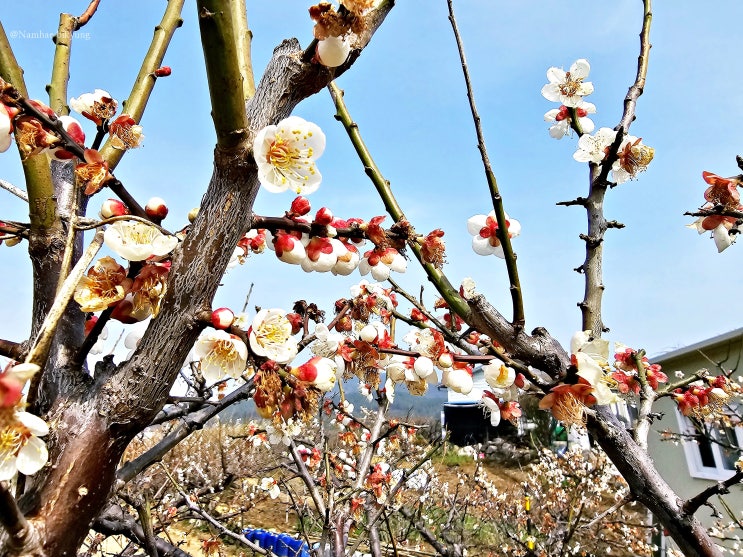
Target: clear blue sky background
{"x":665,"y":285}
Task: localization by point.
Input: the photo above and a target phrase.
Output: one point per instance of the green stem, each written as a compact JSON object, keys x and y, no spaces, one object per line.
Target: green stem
{"x":145,"y":82}
{"x":57,"y":89}
{"x":243,"y":37}
{"x":223,"y":70}
{"x":442,"y":284}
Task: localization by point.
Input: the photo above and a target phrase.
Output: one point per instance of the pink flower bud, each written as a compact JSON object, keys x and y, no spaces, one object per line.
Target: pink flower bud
{"x":113,"y":208}
{"x":222,"y":318}
{"x":324,"y":216}
{"x":165,"y":71}
{"x":300,"y":206}
{"x":156,"y":208}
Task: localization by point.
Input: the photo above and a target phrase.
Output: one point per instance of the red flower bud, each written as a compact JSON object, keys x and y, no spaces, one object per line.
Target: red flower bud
{"x":300,"y":206}
{"x":296,"y":320}
{"x":165,"y":71}
{"x":222,"y":318}
{"x":156,"y":208}
{"x":324,"y":216}
{"x":113,"y":208}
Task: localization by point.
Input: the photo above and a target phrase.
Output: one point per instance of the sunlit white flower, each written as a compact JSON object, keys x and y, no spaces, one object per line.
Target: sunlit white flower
{"x":596,"y":348}
{"x":563,"y":120}
{"x":723,"y":238}
{"x":270,"y":336}
{"x":96,"y":106}
{"x":498,"y":375}
{"x":592,"y":148}
{"x":21,"y":450}
{"x":286,"y":155}
{"x":632,"y":158}
{"x":484,"y":230}
{"x":125,"y":133}
{"x":104,"y":284}
{"x":382,"y":263}
{"x":136,"y":241}
{"x":347,"y":261}
{"x":568,"y":88}
{"x":270,"y":485}
{"x":468,"y":288}
{"x":322,"y":254}
{"x":221,"y":354}
{"x":288,"y":248}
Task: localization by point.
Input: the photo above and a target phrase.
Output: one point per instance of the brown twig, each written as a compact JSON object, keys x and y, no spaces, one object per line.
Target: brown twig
{"x":84,"y":17}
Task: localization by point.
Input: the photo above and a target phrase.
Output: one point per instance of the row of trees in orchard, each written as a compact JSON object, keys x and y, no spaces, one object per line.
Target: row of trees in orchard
{"x":68,"y":415}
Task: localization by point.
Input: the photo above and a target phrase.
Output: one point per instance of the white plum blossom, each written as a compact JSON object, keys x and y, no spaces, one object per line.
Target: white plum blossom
{"x":271,"y":486}
{"x":569,"y":87}
{"x":632,"y":158}
{"x":286,"y":155}
{"x":21,"y":450}
{"x":484,"y":230}
{"x":592,"y":148}
{"x":723,"y":238}
{"x":136,"y":241}
{"x":562,"y":120}
{"x":347,"y":261}
{"x":327,"y":345}
{"x":498,"y":375}
{"x":96,"y":106}
{"x":270,"y":336}
{"x":221,"y":354}
{"x":381,"y":265}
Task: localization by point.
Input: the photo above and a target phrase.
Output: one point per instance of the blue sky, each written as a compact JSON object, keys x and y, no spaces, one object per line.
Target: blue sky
{"x":665,"y":285}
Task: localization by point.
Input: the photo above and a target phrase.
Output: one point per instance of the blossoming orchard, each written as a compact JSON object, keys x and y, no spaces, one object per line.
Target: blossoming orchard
{"x":108,"y":253}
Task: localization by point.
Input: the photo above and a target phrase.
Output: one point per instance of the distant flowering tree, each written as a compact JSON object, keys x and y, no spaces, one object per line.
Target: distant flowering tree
{"x":64,"y":427}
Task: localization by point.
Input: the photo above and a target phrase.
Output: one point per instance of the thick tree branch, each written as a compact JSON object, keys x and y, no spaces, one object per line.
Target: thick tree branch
{"x":23,"y":538}
{"x":191,"y":423}
{"x":594,"y":203}
{"x":720,"y":488}
{"x":114,"y":521}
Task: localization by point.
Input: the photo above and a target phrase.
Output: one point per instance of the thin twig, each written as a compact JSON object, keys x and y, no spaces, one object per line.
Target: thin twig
{"x":505,"y":240}
{"x":18,"y":192}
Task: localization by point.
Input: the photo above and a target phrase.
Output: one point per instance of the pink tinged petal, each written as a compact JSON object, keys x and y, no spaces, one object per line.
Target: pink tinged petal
{"x":32,"y":457}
